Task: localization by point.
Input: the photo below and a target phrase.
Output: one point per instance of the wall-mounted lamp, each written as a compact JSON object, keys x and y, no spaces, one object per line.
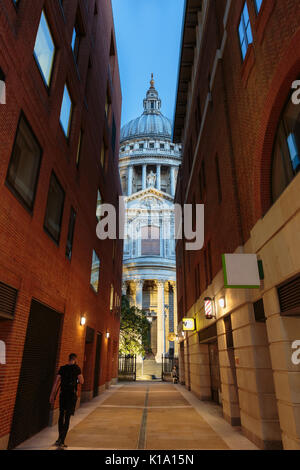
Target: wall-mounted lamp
{"x":82,"y":320}
{"x":107,"y":334}
{"x":222,"y":302}
{"x":209,"y":308}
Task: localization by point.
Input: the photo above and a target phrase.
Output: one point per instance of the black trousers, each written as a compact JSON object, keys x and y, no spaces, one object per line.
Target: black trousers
{"x":63,"y":424}
{"x":67,"y":403}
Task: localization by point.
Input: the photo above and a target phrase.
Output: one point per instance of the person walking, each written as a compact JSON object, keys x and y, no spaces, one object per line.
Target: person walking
{"x":175,"y":375}
{"x":67,"y":379}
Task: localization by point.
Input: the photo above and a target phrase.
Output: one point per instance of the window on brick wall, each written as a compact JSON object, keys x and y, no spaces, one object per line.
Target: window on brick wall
{"x":258,"y":4}
{"x":55,"y":208}
{"x":66,"y":111}
{"x":24,"y":166}
{"x":113,"y":135}
{"x":112,"y":55}
{"x":245,"y":31}
{"x":44,"y":49}
{"x":111,"y":306}
{"x":87,"y":81}
{"x":2,"y":87}
{"x":95,"y":272}
{"x":98,"y":205}
{"x":103,"y":154}
{"x":197,"y":115}
{"x":77,"y":35}
{"x":69,"y":246}
{"x":286,"y":156}
{"x":79,"y":146}
{"x":107,"y":104}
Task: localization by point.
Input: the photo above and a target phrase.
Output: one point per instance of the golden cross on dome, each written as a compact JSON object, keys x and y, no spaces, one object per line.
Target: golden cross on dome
{"x":152,"y":81}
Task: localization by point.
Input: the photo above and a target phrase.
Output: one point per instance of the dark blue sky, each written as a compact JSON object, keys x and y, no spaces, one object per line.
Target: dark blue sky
{"x":148,"y":40}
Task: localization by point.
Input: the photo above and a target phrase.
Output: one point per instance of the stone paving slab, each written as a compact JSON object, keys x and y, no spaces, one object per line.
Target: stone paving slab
{"x":107,"y":429}
{"x":180,"y":429}
{"x":130,"y":399}
{"x":163,"y":399}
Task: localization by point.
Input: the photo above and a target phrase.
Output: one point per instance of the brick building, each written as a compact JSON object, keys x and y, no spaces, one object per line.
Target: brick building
{"x":240,"y":131}
{"x":59,"y":135}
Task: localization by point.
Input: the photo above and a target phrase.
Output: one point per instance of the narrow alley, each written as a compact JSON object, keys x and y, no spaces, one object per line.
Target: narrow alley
{"x":146,"y":415}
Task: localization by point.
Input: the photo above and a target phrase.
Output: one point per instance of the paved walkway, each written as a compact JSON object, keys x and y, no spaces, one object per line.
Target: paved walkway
{"x":145,"y":415}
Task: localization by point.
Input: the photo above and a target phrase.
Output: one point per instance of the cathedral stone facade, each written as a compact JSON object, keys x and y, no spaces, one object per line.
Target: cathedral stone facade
{"x":149,"y":164}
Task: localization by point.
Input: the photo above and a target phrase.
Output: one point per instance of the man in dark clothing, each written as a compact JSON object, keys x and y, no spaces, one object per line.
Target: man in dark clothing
{"x":67,"y":378}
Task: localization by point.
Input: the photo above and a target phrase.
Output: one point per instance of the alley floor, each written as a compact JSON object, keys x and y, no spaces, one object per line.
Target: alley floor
{"x":146,"y":415}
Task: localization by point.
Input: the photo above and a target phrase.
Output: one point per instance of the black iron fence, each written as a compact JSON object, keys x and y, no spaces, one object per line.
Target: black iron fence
{"x":170,"y":369}
{"x":127,"y":368}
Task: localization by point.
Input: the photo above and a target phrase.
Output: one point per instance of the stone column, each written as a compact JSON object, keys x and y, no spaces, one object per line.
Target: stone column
{"x":175,"y":318}
{"x":129,"y":179}
{"x":139,"y":293}
{"x":172,"y":176}
{"x":158,"y":184}
{"x":160,"y":319}
{"x":144,"y":177}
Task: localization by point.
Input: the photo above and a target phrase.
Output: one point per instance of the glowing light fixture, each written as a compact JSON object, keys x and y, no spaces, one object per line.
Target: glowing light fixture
{"x":82,"y":320}
{"x":222,"y":302}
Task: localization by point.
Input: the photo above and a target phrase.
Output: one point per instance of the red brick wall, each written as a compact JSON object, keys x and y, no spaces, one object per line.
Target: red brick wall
{"x":29,"y":260}
{"x":247,"y":100}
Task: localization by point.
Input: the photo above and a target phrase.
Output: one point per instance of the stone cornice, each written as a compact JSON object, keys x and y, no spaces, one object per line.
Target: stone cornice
{"x":145,"y":157}
{"x":148,"y":192}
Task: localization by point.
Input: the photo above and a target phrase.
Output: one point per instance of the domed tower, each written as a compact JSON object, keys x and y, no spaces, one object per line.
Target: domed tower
{"x":149,"y":164}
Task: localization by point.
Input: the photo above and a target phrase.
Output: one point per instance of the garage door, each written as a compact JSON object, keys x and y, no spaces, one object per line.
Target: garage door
{"x":32,"y":408}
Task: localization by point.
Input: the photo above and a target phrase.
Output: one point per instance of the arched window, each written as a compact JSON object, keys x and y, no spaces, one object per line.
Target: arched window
{"x":150,"y":243}
{"x":286,"y":157}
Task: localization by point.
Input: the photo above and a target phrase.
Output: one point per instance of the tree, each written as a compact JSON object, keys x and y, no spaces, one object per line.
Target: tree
{"x":134,"y":330}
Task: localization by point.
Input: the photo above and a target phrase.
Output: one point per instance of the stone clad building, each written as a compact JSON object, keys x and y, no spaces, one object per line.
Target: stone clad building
{"x":240,"y":129}
{"x":148,"y":168}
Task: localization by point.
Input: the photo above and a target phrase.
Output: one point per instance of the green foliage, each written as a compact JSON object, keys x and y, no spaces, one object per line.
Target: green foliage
{"x":134,"y":330}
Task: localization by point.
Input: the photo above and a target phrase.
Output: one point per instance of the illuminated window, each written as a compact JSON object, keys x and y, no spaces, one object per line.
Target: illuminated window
{"x":245,"y":32}
{"x":98,"y":207}
{"x":111,"y":297}
{"x":286,"y":157}
{"x":44,"y":49}
{"x":95,"y":271}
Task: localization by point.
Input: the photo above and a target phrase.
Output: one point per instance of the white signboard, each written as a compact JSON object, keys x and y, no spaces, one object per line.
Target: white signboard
{"x":241,"y":271}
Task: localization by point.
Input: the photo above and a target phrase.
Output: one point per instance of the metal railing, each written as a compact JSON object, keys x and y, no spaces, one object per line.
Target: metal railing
{"x":167,"y":368}
{"x":127,"y":368}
